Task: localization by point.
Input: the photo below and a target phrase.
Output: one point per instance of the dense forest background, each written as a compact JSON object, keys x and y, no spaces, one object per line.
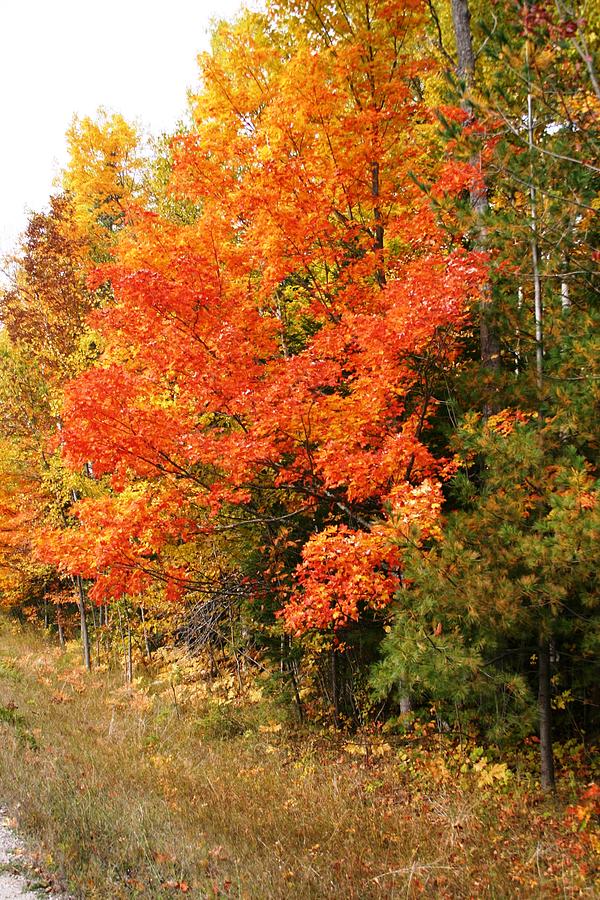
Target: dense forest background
{"x":310,"y":387}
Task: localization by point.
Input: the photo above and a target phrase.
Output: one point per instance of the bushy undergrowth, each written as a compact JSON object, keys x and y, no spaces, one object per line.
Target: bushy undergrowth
{"x":156,"y":790}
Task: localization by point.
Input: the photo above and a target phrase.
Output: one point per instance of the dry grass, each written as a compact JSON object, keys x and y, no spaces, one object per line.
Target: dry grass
{"x":133,"y":795}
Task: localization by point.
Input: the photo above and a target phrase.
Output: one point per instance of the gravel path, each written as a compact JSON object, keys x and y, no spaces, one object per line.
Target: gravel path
{"x":12,"y":887}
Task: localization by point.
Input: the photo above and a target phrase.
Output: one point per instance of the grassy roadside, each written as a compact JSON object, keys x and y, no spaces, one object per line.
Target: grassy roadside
{"x":144,"y":792}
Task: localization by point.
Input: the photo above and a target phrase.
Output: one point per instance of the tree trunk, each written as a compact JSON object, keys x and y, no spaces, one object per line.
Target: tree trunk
{"x":461,"y":18}
{"x":545,"y":714}
{"x":123,"y":645}
{"x":535,"y":252}
{"x":78,"y":582}
{"x":288,"y":667}
{"x":465,"y":69}
{"x":379,"y":229}
{"x":61,"y":634}
{"x":95,"y":615}
{"x":518,"y":332}
{"x":85,"y":638}
{"x":405,"y":704}
{"x":146,"y":641}
{"x":334,"y":690}
{"x":129,"y":654}
{"x":297,"y":697}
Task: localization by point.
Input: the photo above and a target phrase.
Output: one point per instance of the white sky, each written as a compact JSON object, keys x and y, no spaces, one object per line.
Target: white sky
{"x":61,"y":57}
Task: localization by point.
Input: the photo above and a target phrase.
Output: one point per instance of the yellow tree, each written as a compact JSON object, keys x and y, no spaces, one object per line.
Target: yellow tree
{"x":102,"y":176}
{"x":47,"y":339}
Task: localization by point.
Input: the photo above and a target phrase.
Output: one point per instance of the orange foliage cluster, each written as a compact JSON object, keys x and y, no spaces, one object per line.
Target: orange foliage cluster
{"x":286,"y":337}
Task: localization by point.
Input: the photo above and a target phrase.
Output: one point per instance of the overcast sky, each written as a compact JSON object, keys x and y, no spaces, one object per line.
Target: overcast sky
{"x":61,"y":57}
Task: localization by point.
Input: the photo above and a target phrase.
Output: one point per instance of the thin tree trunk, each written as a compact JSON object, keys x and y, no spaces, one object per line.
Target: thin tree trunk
{"x":544,"y":686}
{"x":122,"y":633}
{"x":334,"y":690}
{"x":297,"y":696}
{"x":545,"y":715}
{"x":129,"y":654}
{"x":379,"y":229}
{"x":465,"y":69}
{"x":96,"y":614}
{"x":518,"y":333}
{"x":461,"y":18}
{"x":535,"y":252}
{"x":85,"y":638}
{"x":128,"y":650}
{"x":61,"y":634}
{"x":235,"y":653}
{"x":146,"y":641}
{"x":565,"y":297}
{"x":287,"y":665}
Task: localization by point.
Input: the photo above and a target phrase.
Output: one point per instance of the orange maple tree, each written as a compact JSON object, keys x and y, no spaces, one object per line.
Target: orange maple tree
{"x":286,"y":342}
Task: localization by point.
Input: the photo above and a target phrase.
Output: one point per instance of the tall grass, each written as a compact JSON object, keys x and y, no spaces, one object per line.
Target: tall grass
{"x":141,"y":793}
